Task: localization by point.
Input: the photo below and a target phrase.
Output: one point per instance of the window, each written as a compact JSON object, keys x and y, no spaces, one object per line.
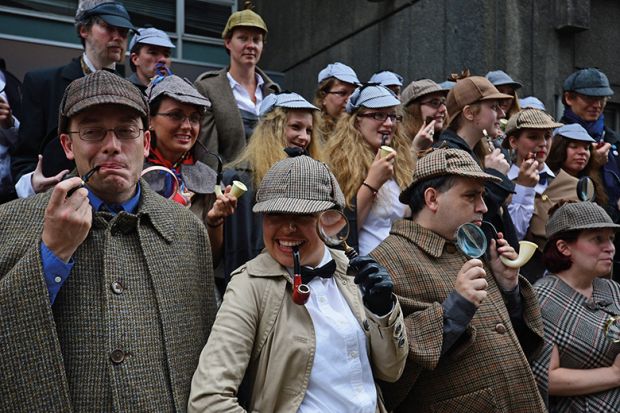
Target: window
{"x":203,"y":18}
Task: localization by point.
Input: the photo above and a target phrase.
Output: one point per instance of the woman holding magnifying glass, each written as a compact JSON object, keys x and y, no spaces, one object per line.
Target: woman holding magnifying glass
{"x":580,"y":366}
{"x":319,"y":356}
{"x":181,"y":173}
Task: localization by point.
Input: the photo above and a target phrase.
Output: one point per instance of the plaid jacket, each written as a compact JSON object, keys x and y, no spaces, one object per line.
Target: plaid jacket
{"x":486,"y":370}
{"x":127,"y":327}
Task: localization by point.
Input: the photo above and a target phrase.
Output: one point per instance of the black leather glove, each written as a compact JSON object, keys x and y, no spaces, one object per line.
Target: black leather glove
{"x":375,"y":283}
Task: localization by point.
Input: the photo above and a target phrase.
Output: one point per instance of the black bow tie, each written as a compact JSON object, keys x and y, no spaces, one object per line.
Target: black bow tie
{"x":542,"y":178}
{"x":326,"y":271}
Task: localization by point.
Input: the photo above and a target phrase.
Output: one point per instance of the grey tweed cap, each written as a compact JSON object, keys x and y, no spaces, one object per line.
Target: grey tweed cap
{"x":101,"y":87}
{"x":284,"y":100}
{"x":178,"y":89}
{"x":578,"y":215}
{"x":372,"y":97}
{"x":443,"y":162}
{"x":298,"y":185}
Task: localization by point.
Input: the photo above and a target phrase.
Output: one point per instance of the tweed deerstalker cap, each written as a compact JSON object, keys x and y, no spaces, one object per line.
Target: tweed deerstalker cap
{"x":530,"y":118}
{"x":442,"y":162}
{"x":244,"y":18}
{"x":178,"y":89}
{"x":470,"y":90}
{"x":298,"y":185}
{"x":419,"y":88}
{"x":289,"y":100}
{"x":578,"y":215}
{"x":100,"y":88}
{"x":372,"y":97}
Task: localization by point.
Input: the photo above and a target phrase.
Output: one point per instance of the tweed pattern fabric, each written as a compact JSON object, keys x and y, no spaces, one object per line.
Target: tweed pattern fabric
{"x":284,"y":100}
{"x":58,"y":358}
{"x":372,"y":97}
{"x":246,"y":18}
{"x":575,"y":325}
{"x":530,"y":118}
{"x":442,"y":162}
{"x":99,"y":88}
{"x":486,"y":370}
{"x":578,"y":215}
{"x":298,"y":185}
{"x":419,"y":88}
{"x":178,"y":89}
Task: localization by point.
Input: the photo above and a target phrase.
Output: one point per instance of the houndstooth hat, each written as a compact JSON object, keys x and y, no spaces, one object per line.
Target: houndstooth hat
{"x":419,"y":88}
{"x":101,"y":87}
{"x":578,"y":215}
{"x":442,"y":162}
{"x":298,"y":185}
{"x":530,"y":118}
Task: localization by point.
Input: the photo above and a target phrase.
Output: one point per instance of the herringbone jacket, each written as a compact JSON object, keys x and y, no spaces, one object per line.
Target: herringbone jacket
{"x":126,"y":329}
{"x":486,"y":370}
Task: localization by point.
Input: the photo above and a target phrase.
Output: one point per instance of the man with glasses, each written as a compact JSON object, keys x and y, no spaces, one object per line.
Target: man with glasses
{"x":106,"y":292}
{"x":38,"y":161}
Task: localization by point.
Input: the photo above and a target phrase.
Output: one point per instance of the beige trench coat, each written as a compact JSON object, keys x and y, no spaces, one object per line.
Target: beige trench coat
{"x":259,"y":328}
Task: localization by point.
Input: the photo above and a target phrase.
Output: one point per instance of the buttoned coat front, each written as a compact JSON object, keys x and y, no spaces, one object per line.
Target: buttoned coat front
{"x":222,"y":127}
{"x":259,"y":328}
{"x":127,"y":327}
{"x":485,"y":370}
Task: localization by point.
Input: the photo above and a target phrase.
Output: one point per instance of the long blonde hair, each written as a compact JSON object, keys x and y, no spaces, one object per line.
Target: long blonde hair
{"x":267,"y":143}
{"x":350,"y":156}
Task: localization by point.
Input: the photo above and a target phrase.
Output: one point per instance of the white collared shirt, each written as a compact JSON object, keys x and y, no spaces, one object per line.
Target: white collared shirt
{"x":242,"y":96}
{"x":92,"y":67}
{"x":521,"y":207}
{"x":341,"y":377}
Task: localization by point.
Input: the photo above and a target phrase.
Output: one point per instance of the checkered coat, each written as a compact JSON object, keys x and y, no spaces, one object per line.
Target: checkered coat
{"x":485,"y":370}
{"x":141,"y":285}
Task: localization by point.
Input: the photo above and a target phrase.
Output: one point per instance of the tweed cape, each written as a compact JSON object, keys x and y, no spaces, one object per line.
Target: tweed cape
{"x":58,"y":358}
{"x":486,"y":370}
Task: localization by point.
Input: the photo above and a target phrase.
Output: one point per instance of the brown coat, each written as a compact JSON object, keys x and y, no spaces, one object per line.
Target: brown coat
{"x":485,"y":370}
{"x":222,"y":128}
{"x":258,"y":327}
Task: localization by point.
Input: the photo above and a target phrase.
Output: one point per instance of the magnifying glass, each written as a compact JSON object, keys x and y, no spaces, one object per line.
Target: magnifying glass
{"x":161,"y":180}
{"x":333,"y":229}
{"x":585,"y":189}
{"x":471,"y":239}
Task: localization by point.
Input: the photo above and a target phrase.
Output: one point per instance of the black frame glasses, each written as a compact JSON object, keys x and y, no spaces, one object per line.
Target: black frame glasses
{"x":179,"y":117}
{"x":381,"y":116}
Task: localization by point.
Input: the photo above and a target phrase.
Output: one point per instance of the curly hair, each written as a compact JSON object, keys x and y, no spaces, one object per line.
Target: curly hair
{"x":350,"y":156}
{"x":267,"y":142}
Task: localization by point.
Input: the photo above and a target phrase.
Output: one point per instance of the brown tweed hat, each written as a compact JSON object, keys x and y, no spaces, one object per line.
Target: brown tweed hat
{"x":418,"y":89}
{"x":441,"y":162}
{"x":298,"y":185}
{"x":100,"y":88}
{"x":578,"y":215}
{"x":530,"y":118}
{"x":245,"y":18}
{"x":470,"y":90}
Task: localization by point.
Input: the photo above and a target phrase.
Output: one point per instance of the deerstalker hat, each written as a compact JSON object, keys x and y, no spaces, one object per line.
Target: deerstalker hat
{"x":419,"y":88}
{"x":470,"y":90}
{"x":284,"y":100}
{"x":576,"y":216}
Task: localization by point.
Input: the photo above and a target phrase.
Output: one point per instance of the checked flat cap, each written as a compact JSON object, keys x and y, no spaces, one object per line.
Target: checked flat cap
{"x":442,"y":162}
{"x":298,"y":185}
{"x":101,"y":87}
{"x":530,"y":118}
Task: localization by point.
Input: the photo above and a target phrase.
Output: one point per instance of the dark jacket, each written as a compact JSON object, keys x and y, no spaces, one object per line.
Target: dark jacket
{"x":222,"y":129}
{"x":495,"y":194}
{"x":42,"y":92}
{"x":8,"y":137}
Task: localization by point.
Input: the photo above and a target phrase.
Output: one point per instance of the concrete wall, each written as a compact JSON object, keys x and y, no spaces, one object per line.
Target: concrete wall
{"x":432,"y":38}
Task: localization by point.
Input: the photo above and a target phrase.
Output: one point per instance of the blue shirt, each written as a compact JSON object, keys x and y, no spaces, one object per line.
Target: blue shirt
{"x":55,"y":270}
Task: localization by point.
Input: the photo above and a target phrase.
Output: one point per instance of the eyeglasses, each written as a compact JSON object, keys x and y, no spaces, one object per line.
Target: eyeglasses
{"x":180,"y":117}
{"x":495,"y":106}
{"x":434,"y":103}
{"x":341,"y":93}
{"x":95,"y":134}
{"x":381,"y":116}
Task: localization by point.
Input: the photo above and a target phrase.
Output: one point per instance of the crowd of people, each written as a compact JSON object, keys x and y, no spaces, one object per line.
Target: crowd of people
{"x":226,"y":246}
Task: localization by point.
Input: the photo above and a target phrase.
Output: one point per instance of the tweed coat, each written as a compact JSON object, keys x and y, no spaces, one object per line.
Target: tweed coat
{"x":42,"y":92}
{"x":222,"y":127}
{"x":126,"y":329}
{"x":260,"y":329}
{"x":485,"y":370}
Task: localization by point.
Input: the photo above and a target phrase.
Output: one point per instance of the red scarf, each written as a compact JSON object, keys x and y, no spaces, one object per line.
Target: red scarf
{"x":156,"y":158}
